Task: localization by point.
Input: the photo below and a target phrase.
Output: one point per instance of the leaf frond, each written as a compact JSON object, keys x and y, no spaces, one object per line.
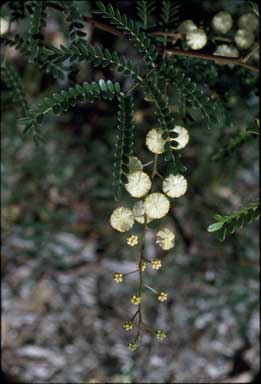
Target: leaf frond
{"x":230,"y":223}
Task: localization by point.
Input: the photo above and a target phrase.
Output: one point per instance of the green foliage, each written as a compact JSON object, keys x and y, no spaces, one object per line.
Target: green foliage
{"x":38,"y":21}
{"x":74,"y":18}
{"x":13,"y":82}
{"x":191,"y":93}
{"x":17,"y":9}
{"x":132,"y":30}
{"x":144,"y":10}
{"x":97,"y":56}
{"x":230,"y":223}
{"x":169,"y":14}
{"x":124,"y":144}
{"x":233,"y":145}
{"x":61,"y":102}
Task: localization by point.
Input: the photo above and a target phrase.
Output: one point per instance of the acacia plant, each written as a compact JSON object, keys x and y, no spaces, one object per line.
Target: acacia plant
{"x":164,"y":44}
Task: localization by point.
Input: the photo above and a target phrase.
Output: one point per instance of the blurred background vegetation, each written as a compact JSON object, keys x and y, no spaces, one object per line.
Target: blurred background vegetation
{"x":62,"y":314}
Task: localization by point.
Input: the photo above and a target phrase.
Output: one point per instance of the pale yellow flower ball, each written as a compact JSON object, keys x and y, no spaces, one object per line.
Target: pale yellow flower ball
{"x":165,"y":238}
{"x":139,"y":184}
{"x":155,"y":141}
{"x":196,"y":39}
{"x":134,"y":164}
{"x":156,"y":205}
{"x":248,"y":21}
{"x":222,"y":22}
{"x":226,"y":50}
{"x":182,"y":139}
{"x":122,"y":219}
{"x":244,"y":38}
{"x":175,"y":185}
{"x":139,"y":212}
{"x":187,"y":26}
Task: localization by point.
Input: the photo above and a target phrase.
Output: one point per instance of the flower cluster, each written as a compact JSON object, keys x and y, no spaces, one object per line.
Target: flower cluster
{"x":152,"y":205}
{"x":221,"y":24}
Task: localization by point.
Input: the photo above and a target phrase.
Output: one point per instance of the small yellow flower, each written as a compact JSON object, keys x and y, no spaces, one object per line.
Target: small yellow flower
{"x":162,"y":296}
{"x":132,"y":240}
{"x":122,"y":219}
{"x":132,"y":346}
{"x":136,"y":299}
{"x":142,"y":266}
{"x":165,"y":239}
{"x":118,"y":277}
{"x":156,"y":264}
{"x":156,"y":205}
{"x":138,"y":184}
{"x":160,"y":334}
{"x":155,"y":141}
{"x":127,"y":325}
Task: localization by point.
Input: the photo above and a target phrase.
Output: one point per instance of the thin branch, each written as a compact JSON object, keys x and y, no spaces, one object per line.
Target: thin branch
{"x":102,"y":26}
{"x":204,"y":56}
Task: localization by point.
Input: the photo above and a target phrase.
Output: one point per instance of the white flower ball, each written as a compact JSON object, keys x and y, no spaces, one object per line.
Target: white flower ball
{"x":138,"y":184}
{"x":222,"y":22}
{"x":196,"y":39}
{"x":154,"y":141}
{"x":244,"y":39}
{"x":139,"y":212}
{"x":187,"y":26}
{"x":248,"y":21}
{"x":175,"y":185}
{"x":165,"y":239}
{"x":156,"y":205}
{"x":182,"y":139}
{"x":122,"y":219}
{"x":134,"y":164}
{"x":226,"y":50}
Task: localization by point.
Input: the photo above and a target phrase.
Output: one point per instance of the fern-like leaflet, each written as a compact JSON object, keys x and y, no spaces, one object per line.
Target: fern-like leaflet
{"x":38,"y":21}
{"x":124,"y":145}
{"x":74,"y":18}
{"x":13,"y":82}
{"x":144,"y":9}
{"x":233,"y":144}
{"x":131,"y":29}
{"x":230,"y":223}
{"x":169,"y":14}
{"x":193,"y":94}
{"x":98,"y":56}
{"x":61,"y":102}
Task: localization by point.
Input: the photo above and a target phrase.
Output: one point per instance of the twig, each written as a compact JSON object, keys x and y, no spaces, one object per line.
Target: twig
{"x":204,"y":56}
{"x":102,"y":26}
